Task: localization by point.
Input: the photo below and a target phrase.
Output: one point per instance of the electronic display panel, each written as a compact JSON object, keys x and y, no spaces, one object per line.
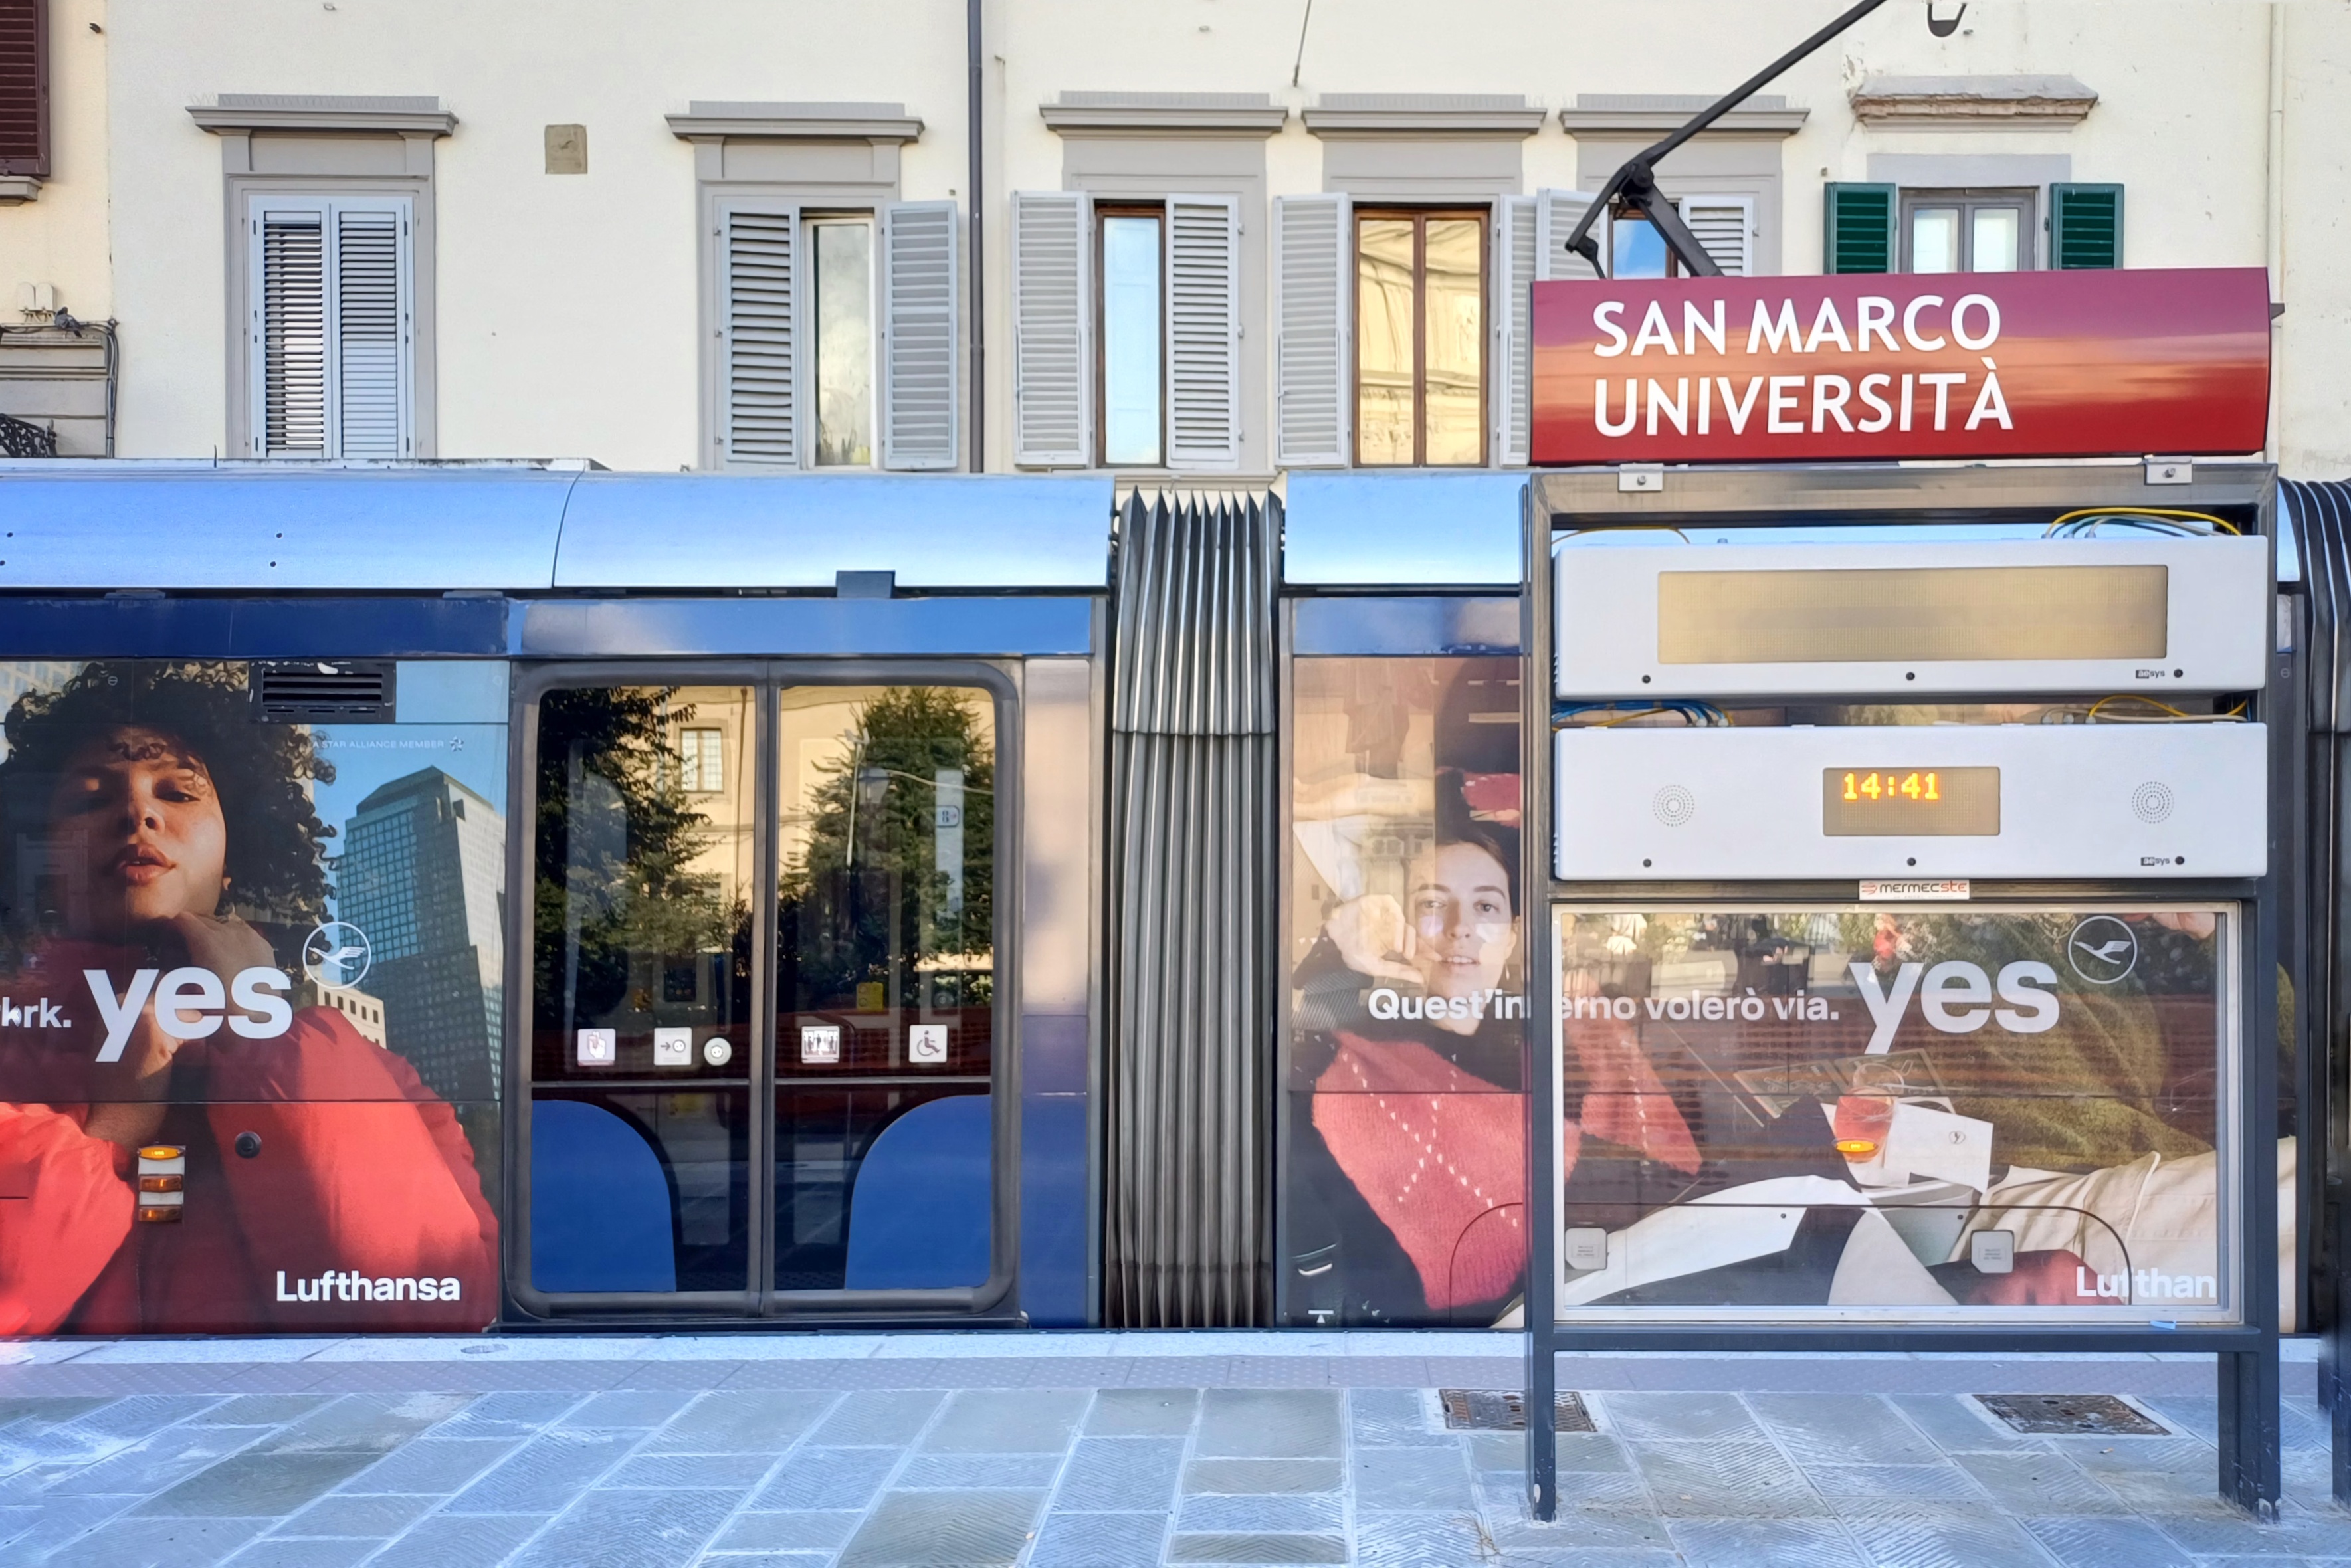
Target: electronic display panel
{"x":1910,"y":802}
{"x":1897,"y":1113}
{"x":252,"y":994}
{"x":1927,"y":614}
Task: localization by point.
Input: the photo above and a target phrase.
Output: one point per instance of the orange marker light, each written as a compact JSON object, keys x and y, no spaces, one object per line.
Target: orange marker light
{"x":160,"y":1215}
{"x":1856,"y":1148}
{"x":162,"y":1152}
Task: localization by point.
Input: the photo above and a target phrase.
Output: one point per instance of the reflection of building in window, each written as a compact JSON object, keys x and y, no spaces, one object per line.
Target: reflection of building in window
{"x":364,"y":1009}
{"x":419,"y":874}
{"x":702,"y":761}
{"x":1420,"y":338}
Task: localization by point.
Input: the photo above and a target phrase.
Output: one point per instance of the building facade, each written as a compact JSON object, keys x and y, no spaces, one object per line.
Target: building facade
{"x":1210,"y":241}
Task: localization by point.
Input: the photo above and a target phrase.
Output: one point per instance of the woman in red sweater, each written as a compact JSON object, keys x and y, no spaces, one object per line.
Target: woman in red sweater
{"x":295,"y":1175}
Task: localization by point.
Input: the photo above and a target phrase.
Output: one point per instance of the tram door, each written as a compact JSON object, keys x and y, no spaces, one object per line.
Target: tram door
{"x":761,"y":1042}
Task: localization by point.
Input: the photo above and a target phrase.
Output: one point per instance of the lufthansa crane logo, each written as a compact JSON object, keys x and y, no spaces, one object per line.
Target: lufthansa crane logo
{"x":336,"y":955}
{"x":2103,"y":949}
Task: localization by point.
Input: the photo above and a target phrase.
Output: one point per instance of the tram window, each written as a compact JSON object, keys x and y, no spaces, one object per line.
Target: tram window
{"x":885,"y":966}
{"x":641,"y":983}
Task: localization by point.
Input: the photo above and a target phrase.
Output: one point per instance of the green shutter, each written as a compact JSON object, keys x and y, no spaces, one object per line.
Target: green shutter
{"x":2085,"y":225}
{"x":1859,"y":225}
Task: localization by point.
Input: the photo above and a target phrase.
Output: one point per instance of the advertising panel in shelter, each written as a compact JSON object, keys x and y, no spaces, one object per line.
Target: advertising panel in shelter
{"x":1903,"y":1111}
{"x":251,"y":999}
{"x":1404,"y":1190}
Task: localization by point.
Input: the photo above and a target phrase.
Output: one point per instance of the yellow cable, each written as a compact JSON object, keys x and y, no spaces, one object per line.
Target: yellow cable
{"x":2151,"y":702}
{"x":2221,"y":523}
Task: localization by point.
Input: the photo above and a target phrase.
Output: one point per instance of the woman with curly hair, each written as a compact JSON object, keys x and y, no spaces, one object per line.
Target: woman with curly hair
{"x":153,"y":832}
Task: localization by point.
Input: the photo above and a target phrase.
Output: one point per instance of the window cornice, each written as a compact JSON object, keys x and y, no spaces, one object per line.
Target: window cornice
{"x":241,"y":113}
{"x":871,"y":122}
{"x":1162,"y":114}
{"x":1408,"y":114}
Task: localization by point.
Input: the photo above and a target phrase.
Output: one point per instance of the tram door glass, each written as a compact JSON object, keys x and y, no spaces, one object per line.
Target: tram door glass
{"x":886,"y":903}
{"x":251,"y":997}
{"x":1403,"y":1194}
{"x":1982,"y":1110}
{"x":640,"y":1040}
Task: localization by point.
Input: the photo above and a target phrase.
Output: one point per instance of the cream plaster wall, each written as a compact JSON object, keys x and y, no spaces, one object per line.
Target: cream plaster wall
{"x":60,"y":236}
{"x":566,"y":305}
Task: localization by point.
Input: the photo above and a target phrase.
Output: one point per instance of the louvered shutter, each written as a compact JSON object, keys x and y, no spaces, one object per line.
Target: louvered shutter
{"x":758,"y":334}
{"x":288,"y":332}
{"x":1313,"y":289}
{"x":1556,"y":215}
{"x":1052,"y":368}
{"x":1514,"y":274}
{"x":2085,"y":226}
{"x":1725,"y":227}
{"x":330,"y":345}
{"x":371,"y":330}
{"x":1857,"y":228}
{"x":1204,"y":325}
{"x":920,"y":408}
{"x":25,"y":88}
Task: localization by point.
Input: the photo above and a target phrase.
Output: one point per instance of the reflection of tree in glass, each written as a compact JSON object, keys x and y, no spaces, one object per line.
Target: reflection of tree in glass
{"x":618,"y":837}
{"x":869,"y":898}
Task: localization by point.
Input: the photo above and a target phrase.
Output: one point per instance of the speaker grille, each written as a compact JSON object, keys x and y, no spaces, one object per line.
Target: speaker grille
{"x":1674,"y":805}
{"x":2151,"y":801}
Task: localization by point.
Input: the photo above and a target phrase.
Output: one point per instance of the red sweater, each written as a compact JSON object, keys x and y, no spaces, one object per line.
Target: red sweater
{"x":361,"y":1173}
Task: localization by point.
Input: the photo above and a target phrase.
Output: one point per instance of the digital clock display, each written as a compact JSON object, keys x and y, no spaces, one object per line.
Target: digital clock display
{"x":1910,"y":802}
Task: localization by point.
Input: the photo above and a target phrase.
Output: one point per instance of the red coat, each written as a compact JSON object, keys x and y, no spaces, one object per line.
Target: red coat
{"x":362,"y":1174}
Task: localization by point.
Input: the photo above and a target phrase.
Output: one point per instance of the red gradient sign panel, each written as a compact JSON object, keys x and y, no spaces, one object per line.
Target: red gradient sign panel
{"x":2026,"y":364}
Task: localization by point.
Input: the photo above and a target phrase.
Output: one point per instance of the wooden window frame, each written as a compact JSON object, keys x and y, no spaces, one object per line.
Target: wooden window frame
{"x":1419,"y":217}
{"x":1968,"y":198}
{"x":1157,"y":210}
{"x":37,"y":166}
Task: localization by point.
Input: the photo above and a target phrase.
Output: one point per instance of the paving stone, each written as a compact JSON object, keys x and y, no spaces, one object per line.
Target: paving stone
{"x":1421,"y":1540}
{"x":58,"y":1521}
{"x":1261,"y":1475}
{"x":1003,"y":1421}
{"x":1590,"y":1452}
{"x":944,"y":1530}
{"x":1492,"y":1450}
{"x":2180,"y":1456}
{"x":2080,"y":1542}
{"x":1842,"y":1429}
{"x":374,"y":1518}
{"x":260,"y":1410}
{"x":1269,"y":1424}
{"x":740,"y":1471}
{"x":743,"y":1423}
{"x":1715,"y":1480}
{"x":627,"y":1407}
{"x":511,"y":1413}
{"x":453,"y":1540}
{"x":437,"y":1465}
{"x":1946,"y":1541}
{"x":1947,"y":1482}
{"x":1692,"y":1416}
{"x":1580,"y":1530}
{"x":2194,"y":1414}
{"x":1412,"y":1478}
{"x":1113,"y":1475}
{"x":49,"y":1411}
{"x":787,"y":1532}
{"x":1020,"y":1472}
{"x":77,"y":1434}
{"x":257,"y":1485}
{"x":168,"y":1458}
{"x":1958,"y":1424}
{"x":867,"y":1418}
{"x":828,"y":1478}
{"x":275,"y":1551}
{"x":613,"y":1527}
{"x":2234,"y":1532}
{"x":2039,"y":1484}
{"x":545,"y":1474}
{"x":1397,"y":1417}
{"x":132,"y":1542}
{"x":1765,"y":1543}
{"x":364,"y":1422}
{"x":1098,"y":1540}
{"x":1143,"y":1413}
{"x":771,"y":1559}
{"x":1257,"y":1548}
{"x":1296,"y":1514}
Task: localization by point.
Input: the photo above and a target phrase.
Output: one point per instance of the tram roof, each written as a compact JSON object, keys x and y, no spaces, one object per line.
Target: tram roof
{"x":71,"y":527}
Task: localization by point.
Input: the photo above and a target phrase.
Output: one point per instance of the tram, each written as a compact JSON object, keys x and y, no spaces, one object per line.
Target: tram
{"x":447,"y":897}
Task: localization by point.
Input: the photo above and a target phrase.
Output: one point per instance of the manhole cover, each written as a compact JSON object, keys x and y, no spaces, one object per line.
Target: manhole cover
{"x":2091,"y":1414}
{"x":1501,"y":1410}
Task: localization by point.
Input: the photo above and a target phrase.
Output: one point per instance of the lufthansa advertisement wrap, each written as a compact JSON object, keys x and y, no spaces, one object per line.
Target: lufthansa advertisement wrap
{"x":1898,"y":1111}
{"x":251,"y":996}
